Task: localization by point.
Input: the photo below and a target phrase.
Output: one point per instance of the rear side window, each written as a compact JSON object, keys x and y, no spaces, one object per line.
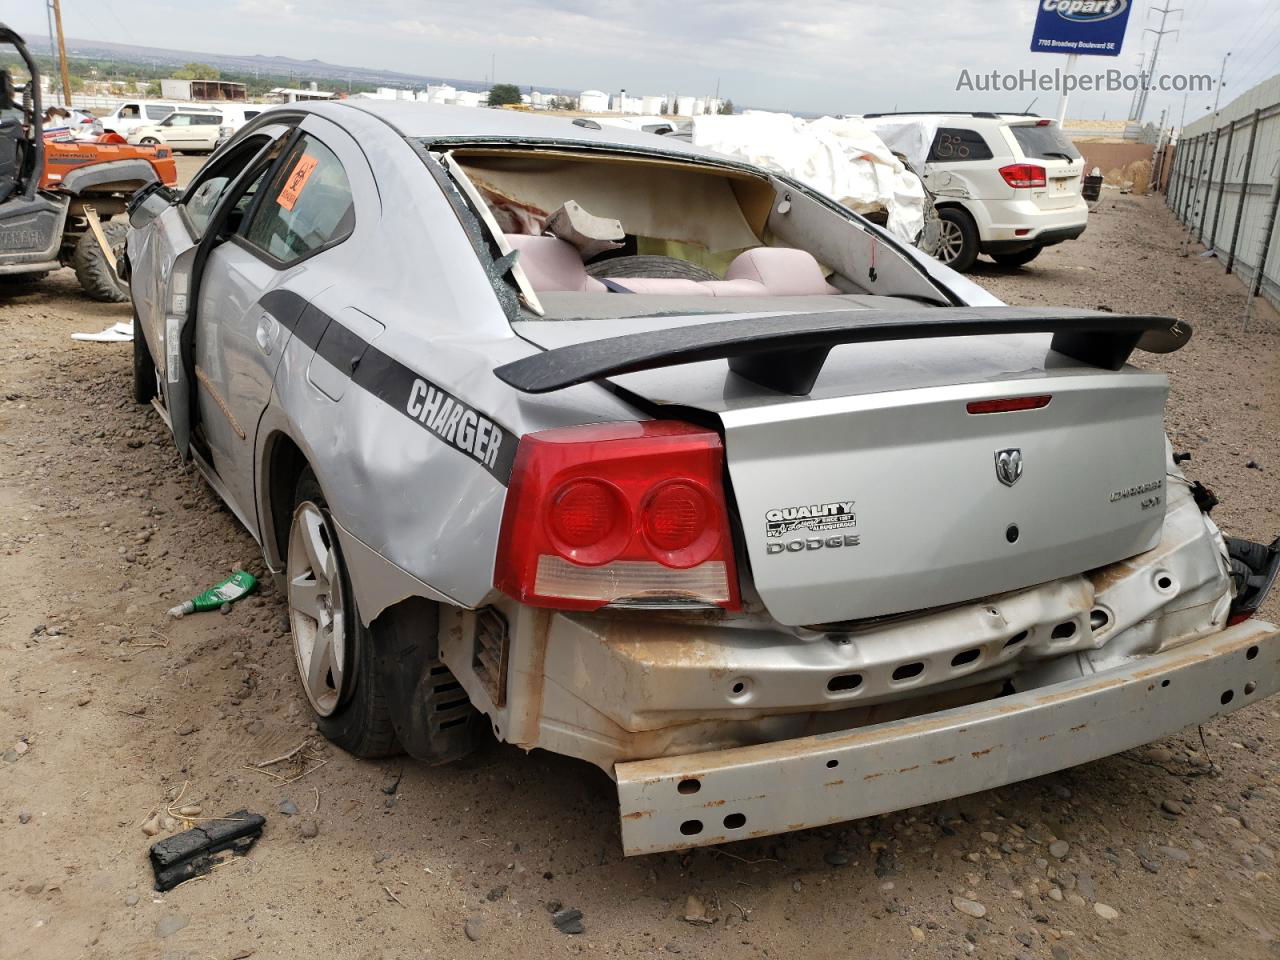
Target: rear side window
{"x":306,"y":207}
{"x":250,"y":114}
{"x":157,"y":111}
{"x":1044,"y":143}
{"x":956,"y":144}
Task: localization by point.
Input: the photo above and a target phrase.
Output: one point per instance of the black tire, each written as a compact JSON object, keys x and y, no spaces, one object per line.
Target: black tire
{"x":958,"y":239}
{"x":361,"y":722}
{"x":96,"y":276}
{"x":649,"y":266}
{"x":431,"y":712}
{"x":149,"y":142}
{"x":144,"y":367}
{"x":1019,"y":259}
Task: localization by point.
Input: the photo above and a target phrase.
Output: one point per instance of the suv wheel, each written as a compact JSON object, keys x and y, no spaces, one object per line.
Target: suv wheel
{"x":1018,"y":259}
{"x":332,"y":648}
{"x":97,"y":277}
{"x":957,"y":238}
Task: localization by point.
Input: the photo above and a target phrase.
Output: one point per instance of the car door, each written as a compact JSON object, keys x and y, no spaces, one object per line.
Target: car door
{"x":180,"y":131}
{"x":960,"y":164}
{"x":256,"y":285}
{"x":163,"y":255}
{"x":204,"y":130}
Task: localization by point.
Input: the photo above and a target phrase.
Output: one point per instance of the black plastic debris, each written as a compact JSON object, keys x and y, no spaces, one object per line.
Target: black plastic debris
{"x":193,"y":852}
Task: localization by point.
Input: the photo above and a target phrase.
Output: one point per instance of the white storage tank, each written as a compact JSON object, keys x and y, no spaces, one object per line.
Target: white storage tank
{"x":684,"y":106}
{"x":593,"y":101}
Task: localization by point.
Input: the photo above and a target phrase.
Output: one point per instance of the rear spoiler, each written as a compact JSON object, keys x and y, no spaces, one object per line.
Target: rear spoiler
{"x":786,"y":352}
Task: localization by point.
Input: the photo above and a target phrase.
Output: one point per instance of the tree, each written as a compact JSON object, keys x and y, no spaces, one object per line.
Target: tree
{"x":501,"y":94}
{"x":727,"y":107}
{"x":196,"y":71}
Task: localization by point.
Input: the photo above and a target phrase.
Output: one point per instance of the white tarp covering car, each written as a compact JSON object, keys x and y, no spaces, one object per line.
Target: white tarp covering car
{"x":841,"y":157}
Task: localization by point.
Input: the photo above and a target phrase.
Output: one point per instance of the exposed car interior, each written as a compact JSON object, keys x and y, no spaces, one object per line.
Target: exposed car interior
{"x":716,"y":240}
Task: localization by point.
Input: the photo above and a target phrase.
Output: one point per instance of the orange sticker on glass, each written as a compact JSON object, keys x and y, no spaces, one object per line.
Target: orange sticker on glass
{"x":298,"y":178}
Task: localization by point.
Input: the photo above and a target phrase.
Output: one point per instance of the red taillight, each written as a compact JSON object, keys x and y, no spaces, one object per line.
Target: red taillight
{"x":618,"y":513}
{"x":1023,"y":175}
{"x":1043,"y":123}
{"x":1240,"y":617}
{"x":1009,"y":404}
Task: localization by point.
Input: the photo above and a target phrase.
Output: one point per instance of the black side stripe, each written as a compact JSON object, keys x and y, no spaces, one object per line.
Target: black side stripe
{"x":454,"y":422}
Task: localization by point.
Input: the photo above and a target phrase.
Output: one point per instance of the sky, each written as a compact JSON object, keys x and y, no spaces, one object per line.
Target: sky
{"x":823,"y":56}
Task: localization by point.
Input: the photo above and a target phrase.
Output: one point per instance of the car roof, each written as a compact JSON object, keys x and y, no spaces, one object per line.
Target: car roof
{"x":434,"y":121}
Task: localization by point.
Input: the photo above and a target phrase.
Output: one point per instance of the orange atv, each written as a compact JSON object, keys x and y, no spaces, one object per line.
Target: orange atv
{"x":58,"y":197}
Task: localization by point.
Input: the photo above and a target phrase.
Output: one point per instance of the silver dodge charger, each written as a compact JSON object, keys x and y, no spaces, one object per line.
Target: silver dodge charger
{"x":656,"y":459}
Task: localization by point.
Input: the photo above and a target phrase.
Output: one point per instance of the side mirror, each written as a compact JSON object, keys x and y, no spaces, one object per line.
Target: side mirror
{"x":148,"y":203}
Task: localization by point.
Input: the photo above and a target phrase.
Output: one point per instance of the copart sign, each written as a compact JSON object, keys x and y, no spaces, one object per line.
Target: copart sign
{"x":1090,"y":27}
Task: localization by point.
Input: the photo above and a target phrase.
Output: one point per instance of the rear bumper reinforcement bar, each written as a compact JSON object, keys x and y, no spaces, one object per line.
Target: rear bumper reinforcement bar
{"x":676,"y":802}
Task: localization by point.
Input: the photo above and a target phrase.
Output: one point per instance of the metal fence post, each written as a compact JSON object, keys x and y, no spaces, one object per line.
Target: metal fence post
{"x":1244,"y":188}
{"x":1208,"y":184}
{"x":1222,"y":187}
{"x":1269,"y":228}
{"x":1175,"y":178}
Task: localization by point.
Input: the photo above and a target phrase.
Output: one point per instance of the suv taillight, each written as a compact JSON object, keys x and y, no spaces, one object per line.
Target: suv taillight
{"x":628,"y":514}
{"x":1023,"y":175}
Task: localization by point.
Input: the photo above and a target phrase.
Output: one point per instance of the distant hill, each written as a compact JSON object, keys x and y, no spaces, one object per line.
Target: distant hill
{"x":281,"y":66}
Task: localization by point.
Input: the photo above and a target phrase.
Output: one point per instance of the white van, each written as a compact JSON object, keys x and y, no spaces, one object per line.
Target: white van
{"x":136,"y":113}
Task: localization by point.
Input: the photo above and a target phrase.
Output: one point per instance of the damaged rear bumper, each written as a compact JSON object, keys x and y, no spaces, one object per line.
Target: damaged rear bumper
{"x":706,"y":798}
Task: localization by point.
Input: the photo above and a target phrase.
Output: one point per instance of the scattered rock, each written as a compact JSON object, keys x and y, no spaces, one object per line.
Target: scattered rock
{"x":917,"y":935}
{"x":1061,"y":792}
{"x":477,"y":928}
{"x":568,"y":921}
{"x":1059,"y":952}
{"x":497,"y":893}
{"x":288,"y":808}
{"x":1175,"y":853}
{"x":1159,"y":755}
{"x":1106,"y":912}
{"x":84,"y":701}
{"x":190,"y":810}
{"x":392,"y":785}
{"x":309,"y":829}
{"x":21,"y":747}
{"x":1055,"y":894}
{"x":970,"y":908}
{"x":24,"y":816}
{"x":835,"y":858}
{"x":35,"y":888}
{"x":131,"y":900}
{"x":1058,"y":849}
{"x":1172,"y":807}
{"x":186,"y":729}
{"x":170,"y":924}
{"x":153,"y":825}
{"x":989,"y":837}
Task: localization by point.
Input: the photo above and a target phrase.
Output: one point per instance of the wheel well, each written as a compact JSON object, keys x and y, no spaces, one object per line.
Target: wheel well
{"x":285,"y":463}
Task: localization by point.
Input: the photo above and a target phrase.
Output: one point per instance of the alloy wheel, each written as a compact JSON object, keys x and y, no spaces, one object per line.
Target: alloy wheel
{"x":317,"y":614}
{"x":950,"y":241}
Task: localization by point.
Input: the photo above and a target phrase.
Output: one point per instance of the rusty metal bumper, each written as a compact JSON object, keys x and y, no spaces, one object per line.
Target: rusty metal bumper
{"x":675,"y":802}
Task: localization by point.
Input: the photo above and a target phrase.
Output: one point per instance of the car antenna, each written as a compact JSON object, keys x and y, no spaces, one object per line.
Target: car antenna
{"x":1031,"y":104}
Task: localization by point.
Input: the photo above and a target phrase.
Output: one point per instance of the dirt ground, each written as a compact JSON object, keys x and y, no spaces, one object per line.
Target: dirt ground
{"x":109,"y":711}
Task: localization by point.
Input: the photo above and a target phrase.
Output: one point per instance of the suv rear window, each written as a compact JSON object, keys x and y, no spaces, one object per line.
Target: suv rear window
{"x":956,"y":144}
{"x":1044,"y":143}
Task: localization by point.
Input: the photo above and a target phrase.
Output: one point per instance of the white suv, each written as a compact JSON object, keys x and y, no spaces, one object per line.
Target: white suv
{"x":1006,"y":185}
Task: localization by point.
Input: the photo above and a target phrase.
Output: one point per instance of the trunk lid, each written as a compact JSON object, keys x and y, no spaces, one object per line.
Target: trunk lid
{"x":880,"y":493}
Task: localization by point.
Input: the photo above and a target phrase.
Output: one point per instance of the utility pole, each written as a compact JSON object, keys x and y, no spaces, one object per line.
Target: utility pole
{"x":62,"y":53}
{"x":1133,"y":101}
{"x":1221,"y":73}
{"x":1155,"y":54}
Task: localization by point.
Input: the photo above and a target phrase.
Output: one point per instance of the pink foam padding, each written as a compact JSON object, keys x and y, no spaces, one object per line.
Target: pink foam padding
{"x":735,"y":288}
{"x":551,"y":264}
{"x":661,"y":286}
{"x":785,"y":272}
